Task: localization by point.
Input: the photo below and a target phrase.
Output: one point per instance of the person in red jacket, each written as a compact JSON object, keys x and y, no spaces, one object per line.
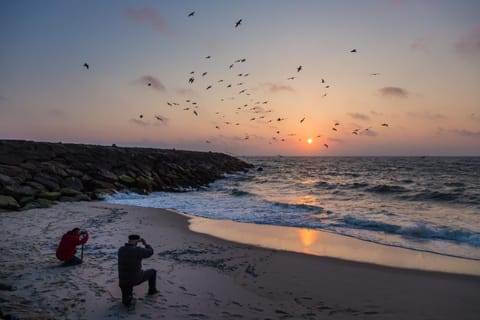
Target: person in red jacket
{"x":68,"y":246}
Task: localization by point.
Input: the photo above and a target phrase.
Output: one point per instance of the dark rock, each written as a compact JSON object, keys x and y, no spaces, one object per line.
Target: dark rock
{"x":38,"y":203}
{"x":72,"y":183}
{"x":8,"y":202}
{"x":67,"y":171}
{"x":53,"y":195}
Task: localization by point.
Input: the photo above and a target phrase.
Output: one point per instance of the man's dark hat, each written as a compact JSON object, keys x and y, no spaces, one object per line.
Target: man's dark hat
{"x":134,"y":237}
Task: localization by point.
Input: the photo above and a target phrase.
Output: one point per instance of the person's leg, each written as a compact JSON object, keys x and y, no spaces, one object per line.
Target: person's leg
{"x":127,"y":295}
{"x":151,"y":276}
{"x":72,"y":262}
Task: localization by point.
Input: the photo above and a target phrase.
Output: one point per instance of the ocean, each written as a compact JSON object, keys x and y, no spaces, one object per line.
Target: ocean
{"x":427,"y":204}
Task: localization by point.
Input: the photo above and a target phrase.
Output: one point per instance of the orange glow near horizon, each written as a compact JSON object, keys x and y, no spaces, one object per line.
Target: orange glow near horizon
{"x":309,"y":140}
{"x":307,"y":236}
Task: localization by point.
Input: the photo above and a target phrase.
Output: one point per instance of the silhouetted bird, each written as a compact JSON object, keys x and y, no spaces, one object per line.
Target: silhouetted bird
{"x":141,"y":116}
{"x":191,"y":14}
{"x":353,"y":50}
{"x":86,"y":66}
{"x":326,"y":145}
{"x":239,"y":22}
{"x":291,"y":78}
{"x":299,"y":68}
{"x":149,"y":84}
{"x":303,"y":119}
{"x":334,"y":129}
{"x":209,"y":87}
{"x":204,"y":74}
{"x":384,"y":124}
{"x":231,"y":66}
{"x":159,"y":118}
{"x":208,"y":57}
{"x":191,"y":80}
{"x":374,"y":74}
{"x":323,"y":80}
{"x":195,"y":112}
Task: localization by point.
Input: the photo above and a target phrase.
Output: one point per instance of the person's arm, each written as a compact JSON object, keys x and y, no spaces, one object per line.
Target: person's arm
{"x":84,"y":239}
{"x":147,"y":251}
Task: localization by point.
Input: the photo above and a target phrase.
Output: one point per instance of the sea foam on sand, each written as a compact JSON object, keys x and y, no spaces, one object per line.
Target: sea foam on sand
{"x":203,"y":277}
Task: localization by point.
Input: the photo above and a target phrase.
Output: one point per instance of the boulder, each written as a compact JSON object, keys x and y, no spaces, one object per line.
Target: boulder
{"x":72,"y":183}
{"x":126,"y":180}
{"x":19,"y":191}
{"x":47,"y":182}
{"x":38,"y":203}
{"x":8,"y":202}
{"x":53,"y":195}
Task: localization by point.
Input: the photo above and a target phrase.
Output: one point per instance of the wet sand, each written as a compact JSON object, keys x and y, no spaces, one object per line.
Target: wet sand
{"x":204,"y":277}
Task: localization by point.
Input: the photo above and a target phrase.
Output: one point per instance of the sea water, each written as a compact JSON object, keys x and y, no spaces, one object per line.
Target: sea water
{"x":423,"y":203}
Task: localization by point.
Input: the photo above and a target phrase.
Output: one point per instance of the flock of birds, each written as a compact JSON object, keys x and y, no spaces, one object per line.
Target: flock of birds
{"x":254,"y":106}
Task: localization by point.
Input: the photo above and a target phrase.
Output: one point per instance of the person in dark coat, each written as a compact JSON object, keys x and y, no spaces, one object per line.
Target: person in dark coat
{"x":68,"y":246}
{"x":130,"y":271}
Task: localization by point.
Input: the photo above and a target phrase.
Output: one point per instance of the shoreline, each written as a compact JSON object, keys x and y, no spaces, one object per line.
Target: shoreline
{"x":204,"y":277}
{"x":332,"y":245}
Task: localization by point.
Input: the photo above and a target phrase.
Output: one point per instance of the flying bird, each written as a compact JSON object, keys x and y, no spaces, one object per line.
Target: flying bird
{"x":149,"y":84}
{"x":209,"y":87}
{"x":231,"y":66}
{"x":334,"y":129}
{"x":204,"y":74}
{"x":86,"y":66}
{"x":239,"y":22}
{"x":159,"y":118}
{"x":299,"y":68}
{"x":191,"y":80}
{"x":141,"y":116}
{"x":208,"y":57}
{"x":291,"y":78}
{"x":195,"y":112}
{"x":325,"y":145}
{"x":384,"y":124}
{"x":191,"y":14}
{"x":353,"y":50}
{"x":303,"y":119}
{"x":374,"y":74}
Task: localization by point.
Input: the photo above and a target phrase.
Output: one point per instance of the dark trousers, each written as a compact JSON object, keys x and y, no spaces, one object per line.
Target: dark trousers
{"x":72,"y":262}
{"x":127,"y":289}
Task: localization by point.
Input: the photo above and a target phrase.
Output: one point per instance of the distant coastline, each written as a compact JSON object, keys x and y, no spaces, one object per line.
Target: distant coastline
{"x":37,"y":174}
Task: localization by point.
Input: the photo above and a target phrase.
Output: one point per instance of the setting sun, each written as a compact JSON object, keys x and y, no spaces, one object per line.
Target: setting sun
{"x":309,"y":140}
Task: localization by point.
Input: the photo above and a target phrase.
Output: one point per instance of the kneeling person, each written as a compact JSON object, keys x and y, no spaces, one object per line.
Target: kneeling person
{"x":68,"y":246}
{"x":130,"y":271}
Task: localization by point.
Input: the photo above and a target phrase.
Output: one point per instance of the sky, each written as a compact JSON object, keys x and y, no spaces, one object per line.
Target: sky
{"x":377,"y":77}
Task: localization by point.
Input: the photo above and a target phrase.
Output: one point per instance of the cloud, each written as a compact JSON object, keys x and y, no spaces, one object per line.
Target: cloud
{"x":421,"y":45}
{"x":368,"y":133}
{"x":56,"y":113}
{"x":469,"y":43}
{"x":276,"y":87}
{"x":466,"y":133}
{"x":148,"y":16}
{"x":139,"y":122}
{"x":393,"y":92}
{"x":186,"y":92}
{"x":152,"y":81}
{"x":475,"y":117}
{"x":359,"y":116}
{"x":427,"y":115}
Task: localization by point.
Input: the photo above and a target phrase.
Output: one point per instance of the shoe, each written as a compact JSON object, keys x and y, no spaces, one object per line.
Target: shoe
{"x":130,"y":305}
{"x":152,"y":292}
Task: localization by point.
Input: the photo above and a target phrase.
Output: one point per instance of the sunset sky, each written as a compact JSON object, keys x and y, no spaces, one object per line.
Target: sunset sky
{"x":416,"y":69}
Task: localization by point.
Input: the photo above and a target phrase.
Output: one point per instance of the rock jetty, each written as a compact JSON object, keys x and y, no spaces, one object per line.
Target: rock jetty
{"x":37,"y":174}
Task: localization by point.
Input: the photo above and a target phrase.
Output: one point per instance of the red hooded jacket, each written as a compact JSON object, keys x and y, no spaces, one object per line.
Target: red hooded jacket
{"x":67,"y":247}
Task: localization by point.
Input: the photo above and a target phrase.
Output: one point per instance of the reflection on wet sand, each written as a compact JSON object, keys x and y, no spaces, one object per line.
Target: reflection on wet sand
{"x":327,"y":244}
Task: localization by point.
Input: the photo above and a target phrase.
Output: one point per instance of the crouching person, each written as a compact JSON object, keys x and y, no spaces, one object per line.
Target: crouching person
{"x":68,"y":247}
{"x":130,"y":271}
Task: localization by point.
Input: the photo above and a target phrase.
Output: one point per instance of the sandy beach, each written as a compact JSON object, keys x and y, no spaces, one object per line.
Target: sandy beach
{"x":203,"y":277}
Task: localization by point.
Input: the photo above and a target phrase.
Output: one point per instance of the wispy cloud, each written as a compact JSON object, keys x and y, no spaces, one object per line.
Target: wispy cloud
{"x":150,"y":81}
{"x":427,"y":115}
{"x":56,"y":113}
{"x":469,"y":43}
{"x":393,"y":92}
{"x":368,"y":133}
{"x":421,"y":45}
{"x":148,"y":16}
{"x":359,"y":116}
{"x":465,"y":133}
{"x":277,"y":87}
{"x":186,"y":92}
{"x":139,"y":122}
{"x":474,"y":116}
